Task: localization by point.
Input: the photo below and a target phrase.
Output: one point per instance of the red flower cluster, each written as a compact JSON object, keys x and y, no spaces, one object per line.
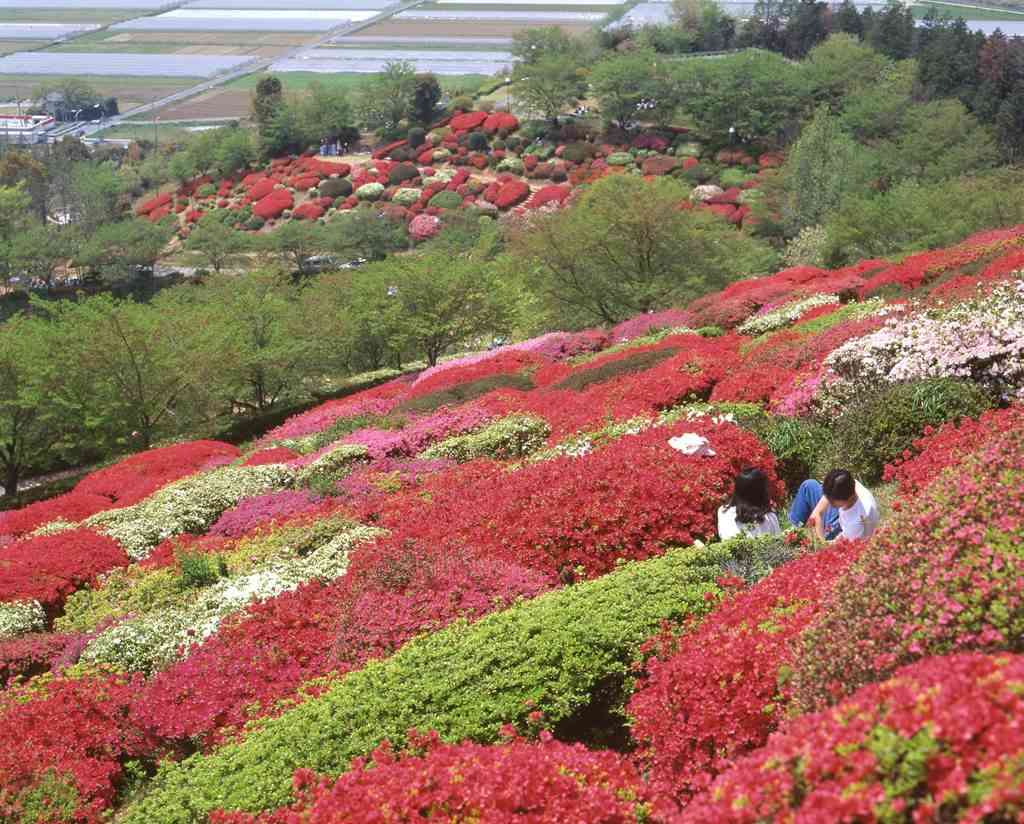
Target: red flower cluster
{"x":272,"y":205}
{"x":945,"y":574}
{"x":310,"y":210}
{"x":276,"y":454}
{"x":446,"y":377}
{"x":627,"y":500}
{"x":947,"y":446}
{"x":70,"y":733}
{"x":277,"y":645}
{"x":32,"y":654}
{"x":515,"y":781}
{"x":940,"y":741}
{"x":49,"y":568}
{"x":696,"y":710}
{"x":154,"y":203}
{"x":121,"y":484}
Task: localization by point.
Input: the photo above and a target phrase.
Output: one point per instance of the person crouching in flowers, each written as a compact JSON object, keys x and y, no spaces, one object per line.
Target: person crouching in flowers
{"x":749,"y":511}
{"x":840,"y":506}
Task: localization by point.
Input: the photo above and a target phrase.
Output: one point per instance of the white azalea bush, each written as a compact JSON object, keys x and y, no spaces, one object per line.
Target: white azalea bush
{"x":189,"y":505}
{"x":784,"y":315}
{"x":513,"y":436}
{"x":21,"y":617}
{"x":155,"y":640}
{"x":981,"y":340}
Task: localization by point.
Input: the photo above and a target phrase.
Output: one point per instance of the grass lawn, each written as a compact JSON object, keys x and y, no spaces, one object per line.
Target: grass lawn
{"x":300,"y":81}
{"x":9,"y":46}
{"x":921,"y":9}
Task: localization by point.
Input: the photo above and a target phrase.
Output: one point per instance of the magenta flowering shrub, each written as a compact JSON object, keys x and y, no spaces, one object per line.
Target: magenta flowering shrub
{"x":945,"y":575}
{"x":387,"y":475}
{"x":940,"y":741}
{"x":642,"y":324}
{"x":250,"y":513}
{"x":377,"y":401}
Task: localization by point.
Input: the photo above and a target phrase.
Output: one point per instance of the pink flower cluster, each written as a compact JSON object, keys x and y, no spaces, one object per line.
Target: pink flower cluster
{"x":252,"y":512}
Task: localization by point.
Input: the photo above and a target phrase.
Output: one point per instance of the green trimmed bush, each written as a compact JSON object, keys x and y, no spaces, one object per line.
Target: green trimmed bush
{"x":621,"y":159}
{"x":514,"y":436}
{"x":512,"y":165}
{"x":332,"y":466}
{"x":578,"y":152}
{"x":734,"y":177}
{"x":477,"y":141}
{"x":406,"y":196}
{"x":878,"y":427}
{"x":370,"y":191}
{"x":206,"y":190}
{"x":639,"y":362}
{"x":402,"y":172}
{"x":465,"y":392}
{"x":689,"y":149}
{"x":549,"y":654}
{"x":416,"y":137}
{"x":446,"y":200}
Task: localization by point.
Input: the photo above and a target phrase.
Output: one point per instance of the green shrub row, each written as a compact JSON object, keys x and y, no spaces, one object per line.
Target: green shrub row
{"x":514,"y":436}
{"x":639,"y":362}
{"x":465,"y":392}
{"x":551,"y":654}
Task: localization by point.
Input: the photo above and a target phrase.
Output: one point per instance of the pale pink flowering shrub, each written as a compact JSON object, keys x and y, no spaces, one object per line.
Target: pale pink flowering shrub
{"x":260,"y":509}
{"x":642,"y":324}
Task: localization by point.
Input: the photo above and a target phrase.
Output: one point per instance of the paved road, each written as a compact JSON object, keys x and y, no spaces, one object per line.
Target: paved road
{"x":255,"y":65}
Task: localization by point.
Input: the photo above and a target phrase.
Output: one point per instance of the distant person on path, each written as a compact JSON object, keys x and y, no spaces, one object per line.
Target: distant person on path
{"x":749,"y":511}
{"x":838,"y":507}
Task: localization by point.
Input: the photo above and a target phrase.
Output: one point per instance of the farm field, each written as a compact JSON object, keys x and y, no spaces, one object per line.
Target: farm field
{"x":130,"y":91}
{"x":442,"y":62}
{"x":256,"y":44}
{"x":246,"y":20}
{"x":969,"y":11}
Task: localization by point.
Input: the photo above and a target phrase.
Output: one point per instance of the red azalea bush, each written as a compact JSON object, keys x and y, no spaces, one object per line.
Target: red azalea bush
{"x":71,"y":507}
{"x":513,"y":781}
{"x":695,"y":711}
{"x":276,"y":454}
{"x":33,"y":654}
{"x":63,"y":745}
{"x":511,"y":193}
{"x":945,"y":575}
{"x":49,"y":568}
{"x":308,"y":211}
{"x":548,"y":194}
{"x":154,"y":203}
{"x":167,"y":552}
{"x":947,"y":446}
{"x":940,"y":741}
{"x":273,"y":204}
{"x":628,"y":500}
{"x":270,"y":650}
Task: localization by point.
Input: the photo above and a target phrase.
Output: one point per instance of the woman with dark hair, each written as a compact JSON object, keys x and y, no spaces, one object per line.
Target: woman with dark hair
{"x":749,"y":511}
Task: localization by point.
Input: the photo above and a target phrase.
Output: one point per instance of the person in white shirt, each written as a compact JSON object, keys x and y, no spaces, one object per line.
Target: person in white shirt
{"x":859,"y":515}
{"x":749,"y":511}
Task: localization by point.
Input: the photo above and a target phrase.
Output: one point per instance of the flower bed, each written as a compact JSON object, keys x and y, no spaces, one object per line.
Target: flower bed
{"x":940,"y":741}
{"x":471,"y":782}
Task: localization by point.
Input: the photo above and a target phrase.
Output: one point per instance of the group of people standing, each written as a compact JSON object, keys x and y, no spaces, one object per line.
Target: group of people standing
{"x":837,"y":507}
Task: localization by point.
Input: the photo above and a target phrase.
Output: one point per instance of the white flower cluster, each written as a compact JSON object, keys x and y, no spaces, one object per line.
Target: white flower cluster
{"x":20,"y":617}
{"x":980,"y":340}
{"x":784,"y":315}
{"x":189,"y":505}
{"x":513,"y":436}
{"x":53,"y":527}
{"x":586,"y":442}
{"x":155,"y":640}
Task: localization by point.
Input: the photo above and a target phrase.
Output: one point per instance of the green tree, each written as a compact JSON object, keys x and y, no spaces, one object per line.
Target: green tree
{"x":120,"y":251}
{"x":757,"y":93}
{"x":96,"y":195}
{"x":266,"y":348}
{"x":806,"y":26}
{"x":533,"y":45}
{"x":37,"y":250}
{"x":877,"y":111}
{"x":621,"y":82}
{"x":548,"y":86}
{"x":364,"y":233}
{"x":14,"y":219}
{"x":892,"y":31}
{"x":296,"y":242}
{"x":325,"y":113}
{"x":267,"y":99}
{"x":938,"y":140}
{"x":386,"y":99}
{"x":1010,"y":122}
{"x":440,"y":302}
{"x":824,"y":166}
{"x":847,"y":19}
{"x":425,"y":98}
{"x":842,"y":66}
{"x":216,"y":243}
{"x":21,"y":167}
{"x":626,"y":247}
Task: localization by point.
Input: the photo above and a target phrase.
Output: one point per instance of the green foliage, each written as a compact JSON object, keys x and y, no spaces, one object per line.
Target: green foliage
{"x":640,"y":362}
{"x":514,"y":436}
{"x":199,"y":569}
{"x":914,"y":216}
{"x":621,"y":81}
{"x":446,"y":200}
{"x":119,"y":251}
{"x":878,"y":427}
{"x":821,"y":170}
{"x":755,"y":92}
{"x":52,"y":797}
{"x":217,"y":244}
{"x":332,"y":466}
{"x":387,"y":99}
{"x":549,"y":85}
{"x":798,"y":447}
{"x":123,"y":592}
{"x":465,"y":681}
{"x":625,"y":248}
{"x":465,"y":392}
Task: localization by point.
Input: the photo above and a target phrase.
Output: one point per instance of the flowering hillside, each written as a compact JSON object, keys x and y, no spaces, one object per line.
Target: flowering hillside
{"x":472,"y":160}
{"x":493,"y":590}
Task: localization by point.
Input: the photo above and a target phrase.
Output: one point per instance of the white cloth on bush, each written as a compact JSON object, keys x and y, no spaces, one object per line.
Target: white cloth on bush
{"x":690,"y":443}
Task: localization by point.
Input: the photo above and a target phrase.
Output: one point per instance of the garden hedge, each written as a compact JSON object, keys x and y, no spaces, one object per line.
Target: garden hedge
{"x":548,"y":654}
